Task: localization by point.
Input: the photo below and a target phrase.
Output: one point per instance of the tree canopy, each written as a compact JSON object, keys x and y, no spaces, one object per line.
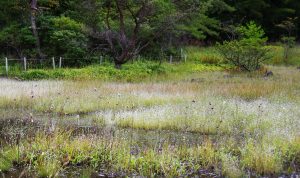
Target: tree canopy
{"x":123,"y":29}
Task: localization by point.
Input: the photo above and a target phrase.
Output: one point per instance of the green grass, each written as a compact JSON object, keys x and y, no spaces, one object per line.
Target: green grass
{"x":207,"y":55}
{"x":294,"y":58}
{"x":277,"y":56}
{"x":50,"y":154}
{"x":130,"y":72}
{"x":7,"y":157}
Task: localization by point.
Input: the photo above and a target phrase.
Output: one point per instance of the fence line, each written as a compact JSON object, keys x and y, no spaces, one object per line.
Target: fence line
{"x":25,"y":63}
{"x":60,"y":60}
{"x":53,"y":62}
{"x":6,"y":66}
{"x":182,"y":57}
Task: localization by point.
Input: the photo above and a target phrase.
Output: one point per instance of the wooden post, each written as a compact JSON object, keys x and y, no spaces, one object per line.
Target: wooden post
{"x":53,"y":62}
{"x":171,"y":58}
{"x":25,"y":64}
{"x":185,"y":57}
{"x":181,"y":53}
{"x":101,"y":60}
{"x":6,"y":66}
{"x":60,"y":60}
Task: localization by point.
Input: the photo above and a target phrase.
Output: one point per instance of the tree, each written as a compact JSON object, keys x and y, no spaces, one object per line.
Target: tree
{"x":267,"y":13}
{"x":201,"y":21}
{"x":123,"y":40}
{"x":33,"y":13}
{"x":17,"y":39}
{"x":288,"y":39}
{"x":67,"y":38}
{"x":247,"y":52}
{"x":132,"y":25}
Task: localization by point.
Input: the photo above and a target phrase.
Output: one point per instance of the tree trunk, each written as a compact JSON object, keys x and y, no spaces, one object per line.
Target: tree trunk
{"x":119,"y":61}
{"x":34,"y":28}
{"x":118,"y":65}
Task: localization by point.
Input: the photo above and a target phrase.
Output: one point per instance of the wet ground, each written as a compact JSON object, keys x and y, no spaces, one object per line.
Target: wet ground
{"x":14,"y":130}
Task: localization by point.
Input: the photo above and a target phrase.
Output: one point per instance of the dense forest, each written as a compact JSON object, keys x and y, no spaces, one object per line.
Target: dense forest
{"x":81,"y":30}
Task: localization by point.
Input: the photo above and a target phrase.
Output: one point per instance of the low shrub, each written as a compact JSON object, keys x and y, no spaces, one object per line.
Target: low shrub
{"x":249,"y":51}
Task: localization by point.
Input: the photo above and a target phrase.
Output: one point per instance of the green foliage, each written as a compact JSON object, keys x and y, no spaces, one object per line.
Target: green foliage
{"x":132,"y":72}
{"x":199,"y":24}
{"x":289,"y":42}
{"x":200,"y":27}
{"x":265,"y":12}
{"x":7,"y":157}
{"x":204,"y":55}
{"x":17,"y":39}
{"x":248,"y":52}
{"x":288,"y":39}
{"x":68,"y":40}
{"x":252,"y":33}
{"x":76,"y":30}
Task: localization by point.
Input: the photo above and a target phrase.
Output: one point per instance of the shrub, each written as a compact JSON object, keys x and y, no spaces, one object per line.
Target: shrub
{"x":248,"y":52}
{"x":68,"y":39}
{"x":35,"y":74}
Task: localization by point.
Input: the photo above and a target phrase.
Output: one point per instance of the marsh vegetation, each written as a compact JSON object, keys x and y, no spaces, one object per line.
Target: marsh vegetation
{"x":149,"y":88}
{"x":214,"y":124}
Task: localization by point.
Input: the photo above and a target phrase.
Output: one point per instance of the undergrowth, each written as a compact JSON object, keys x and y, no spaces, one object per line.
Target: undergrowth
{"x":131,"y":72}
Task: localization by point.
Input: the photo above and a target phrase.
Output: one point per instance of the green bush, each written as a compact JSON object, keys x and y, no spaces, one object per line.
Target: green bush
{"x":68,"y":39}
{"x":249,"y":51}
{"x":35,"y":74}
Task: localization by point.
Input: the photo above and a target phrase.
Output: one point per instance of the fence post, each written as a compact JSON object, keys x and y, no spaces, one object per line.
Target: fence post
{"x":171,"y":58}
{"x":53,"y":63}
{"x":185,"y":56}
{"x":60,"y":60}
{"x":25,"y":64}
{"x":6,"y":66}
{"x":101,"y":59}
{"x":181,"y":53}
